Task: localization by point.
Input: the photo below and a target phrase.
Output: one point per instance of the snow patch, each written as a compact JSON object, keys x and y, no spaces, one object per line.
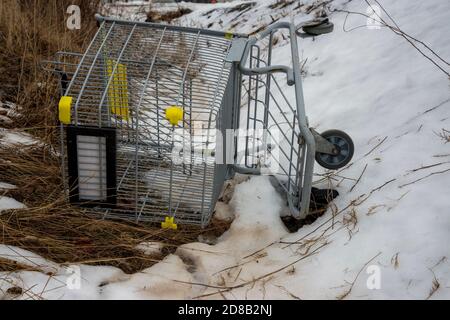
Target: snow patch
{"x":10,"y":138}
{"x":9,"y":203}
{"x":6,"y":186}
{"x":150,"y":247}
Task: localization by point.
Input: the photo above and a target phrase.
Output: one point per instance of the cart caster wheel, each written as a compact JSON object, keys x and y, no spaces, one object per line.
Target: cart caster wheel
{"x":345,"y":148}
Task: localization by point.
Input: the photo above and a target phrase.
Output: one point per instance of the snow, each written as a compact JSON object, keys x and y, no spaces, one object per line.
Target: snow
{"x":5,"y":119}
{"x":27,"y":258}
{"x":6,"y":186}
{"x":223,"y":212}
{"x":13,"y":137}
{"x":9,"y":109}
{"x":9,"y":203}
{"x":393,"y":222}
{"x":168,"y":279}
{"x":150,"y":247}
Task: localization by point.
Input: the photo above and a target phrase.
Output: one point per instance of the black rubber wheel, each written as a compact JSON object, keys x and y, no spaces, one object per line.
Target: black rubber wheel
{"x":344,"y":146}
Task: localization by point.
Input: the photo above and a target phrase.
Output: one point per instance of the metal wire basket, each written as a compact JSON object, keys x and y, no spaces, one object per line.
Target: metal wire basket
{"x":142,"y":111}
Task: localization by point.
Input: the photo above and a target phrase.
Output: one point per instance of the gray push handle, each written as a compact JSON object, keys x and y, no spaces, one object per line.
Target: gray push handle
{"x":311,"y":28}
{"x":264,"y":70}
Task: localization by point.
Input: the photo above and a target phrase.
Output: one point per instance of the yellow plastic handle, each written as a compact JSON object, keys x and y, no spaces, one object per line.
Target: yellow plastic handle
{"x":174,"y":114}
{"x":169,"y":223}
{"x":229,"y":35}
{"x":64,"y":109}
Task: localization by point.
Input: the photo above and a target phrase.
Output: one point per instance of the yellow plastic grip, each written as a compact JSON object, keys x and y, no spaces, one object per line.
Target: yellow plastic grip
{"x":168,"y":223}
{"x":174,"y":114}
{"x":229,"y":35}
{"x":64,"y":109}
{"x":118,"y":90}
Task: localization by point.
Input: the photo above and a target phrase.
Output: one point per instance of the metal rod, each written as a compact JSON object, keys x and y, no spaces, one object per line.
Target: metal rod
{"x":137,"y":120}
{"x":207,"y":32}
{"x":105,"y":92}
{"x":89,"y":72}
{"x":177,"y":102}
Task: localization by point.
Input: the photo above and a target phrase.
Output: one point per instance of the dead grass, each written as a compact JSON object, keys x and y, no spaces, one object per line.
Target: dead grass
{"x":167,"y":16}
{"x":280,"y":4}
{"x":62,"y":233}
{"x":444,"y":135}
{"x":66,"y":234}
{"x":30,"y":31}
{"x":35,"y":172}
{"x":7,"y":265}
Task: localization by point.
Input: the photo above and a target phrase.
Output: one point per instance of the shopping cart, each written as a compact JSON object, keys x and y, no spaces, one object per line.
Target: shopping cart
{"x":152,"y":118}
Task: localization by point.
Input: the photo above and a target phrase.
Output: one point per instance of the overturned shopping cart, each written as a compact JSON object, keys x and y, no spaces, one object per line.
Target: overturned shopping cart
{"x":155,"y":118}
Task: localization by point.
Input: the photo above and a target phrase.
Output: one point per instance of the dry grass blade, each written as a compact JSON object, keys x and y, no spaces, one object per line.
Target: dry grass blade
{"x":444,"y":135}
{"x":427,"y":176}
{"x":435,"y":285}
{"x":7,"y":265}
{"x":360,"y":176}
{"x":379,"y":144}
{"x":262,"y":277}
{"x":346,"y":293}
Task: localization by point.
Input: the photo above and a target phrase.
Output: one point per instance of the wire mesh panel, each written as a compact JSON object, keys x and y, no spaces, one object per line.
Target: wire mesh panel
{"x":128,"y":77}
{"x":274,"y":139}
